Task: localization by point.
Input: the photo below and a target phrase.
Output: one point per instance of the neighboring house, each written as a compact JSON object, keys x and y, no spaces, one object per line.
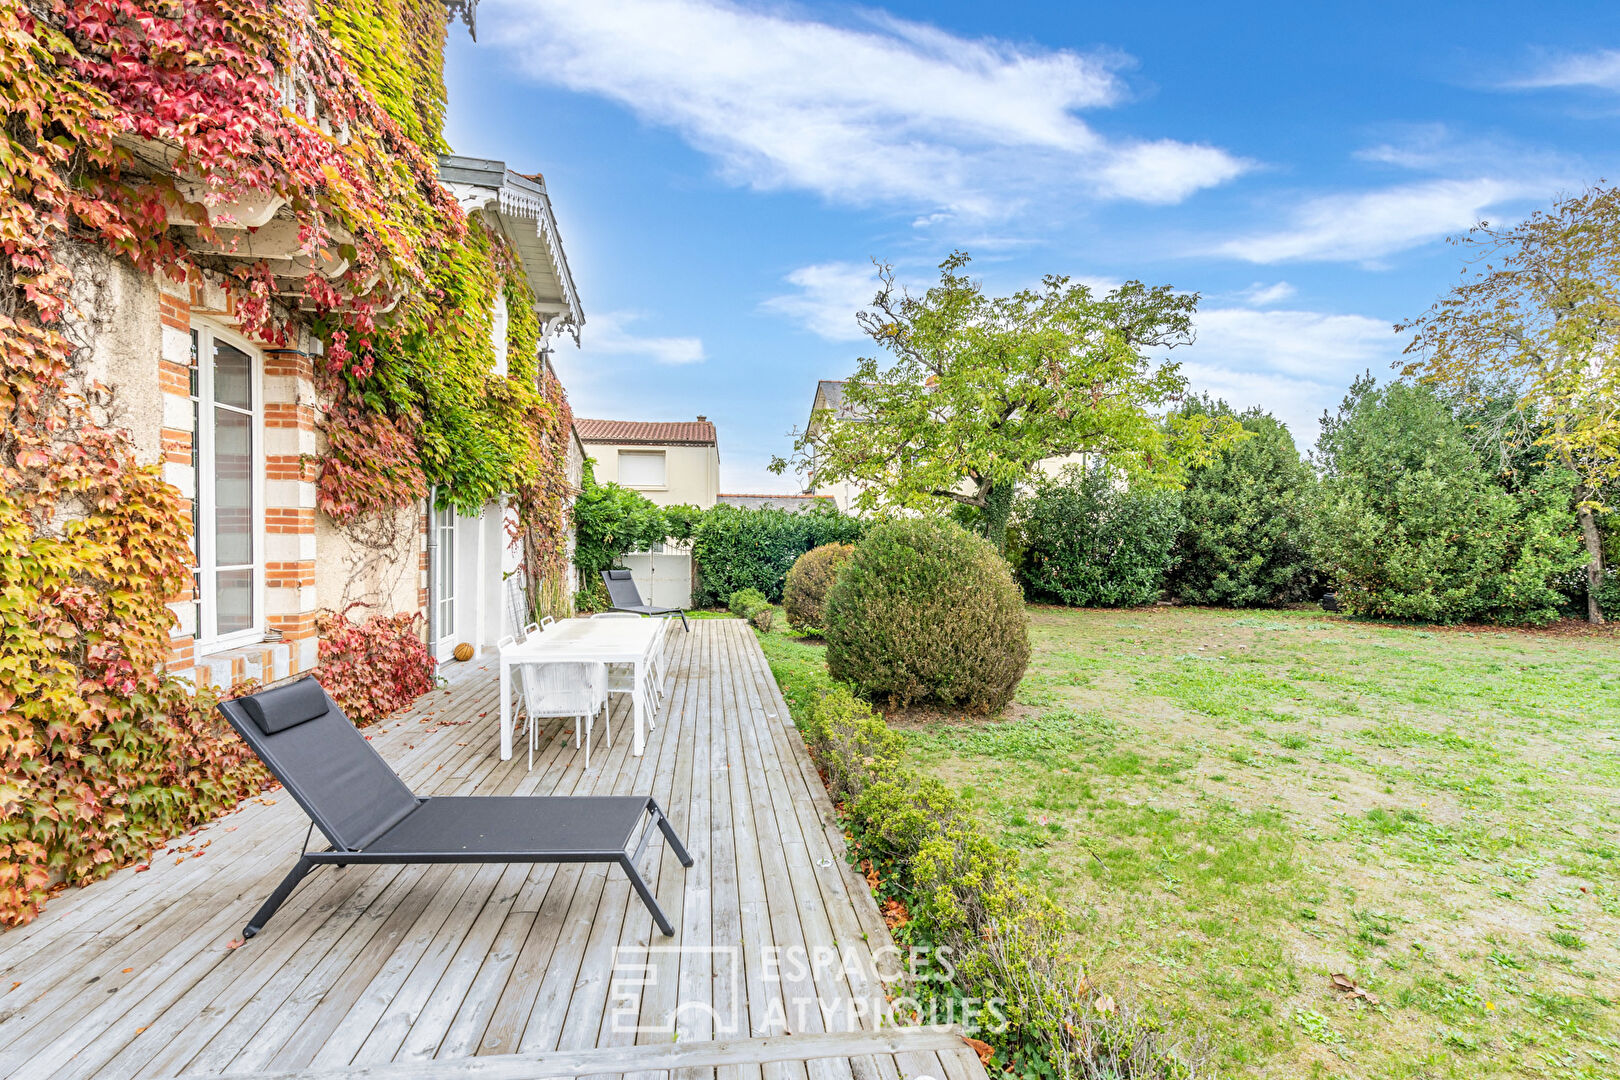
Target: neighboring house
{"x":673,"y":463}
{"x":829,"y":401}
{"x":235,"y":422}
{"x":794,"y":504}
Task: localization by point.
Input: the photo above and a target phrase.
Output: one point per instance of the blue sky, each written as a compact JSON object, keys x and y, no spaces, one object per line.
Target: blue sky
{"x":724,"y":173}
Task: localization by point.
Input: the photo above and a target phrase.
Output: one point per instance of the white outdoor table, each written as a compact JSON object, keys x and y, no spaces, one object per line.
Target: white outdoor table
{"x":605,"y":641}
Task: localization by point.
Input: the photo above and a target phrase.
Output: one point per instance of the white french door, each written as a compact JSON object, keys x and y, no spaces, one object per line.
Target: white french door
{"x":442,"y":589}
{"x":228,"y":511}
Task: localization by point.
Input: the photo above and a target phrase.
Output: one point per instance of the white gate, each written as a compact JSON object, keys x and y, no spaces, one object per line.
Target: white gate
{"x":664,"y":577}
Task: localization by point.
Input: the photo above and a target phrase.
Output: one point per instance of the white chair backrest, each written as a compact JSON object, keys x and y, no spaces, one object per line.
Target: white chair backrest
{"x":505,"y":641}
{"x":517,"y":607}
{"x":563,"y":689}
{"x":547,"y":621}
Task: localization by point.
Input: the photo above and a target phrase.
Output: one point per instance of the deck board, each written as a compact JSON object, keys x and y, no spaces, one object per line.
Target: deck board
{"x":376,"y":967}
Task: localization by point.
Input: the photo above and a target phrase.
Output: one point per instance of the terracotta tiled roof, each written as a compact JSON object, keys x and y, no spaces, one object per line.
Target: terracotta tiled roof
{"x":683,"y":432}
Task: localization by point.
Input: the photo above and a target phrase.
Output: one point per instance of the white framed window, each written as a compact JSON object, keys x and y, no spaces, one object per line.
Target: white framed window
{"x":642,"y":469}
{"x":228,"y":461}
{"x":497,"y":333}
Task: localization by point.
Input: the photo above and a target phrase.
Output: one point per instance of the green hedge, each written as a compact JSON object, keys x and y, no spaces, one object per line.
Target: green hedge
{"x":964,"y":892}
{"x":1245,"y":518}
{"x":736,"y":548}
{"x":1089,"y":542}
{"x":1412,"y":523}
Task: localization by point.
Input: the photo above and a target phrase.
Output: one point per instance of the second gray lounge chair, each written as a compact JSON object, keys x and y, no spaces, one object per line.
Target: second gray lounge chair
{"x":625,"y":596}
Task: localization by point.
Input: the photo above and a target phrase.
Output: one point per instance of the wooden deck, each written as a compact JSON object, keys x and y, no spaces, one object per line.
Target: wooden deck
{"x":497,"y":971}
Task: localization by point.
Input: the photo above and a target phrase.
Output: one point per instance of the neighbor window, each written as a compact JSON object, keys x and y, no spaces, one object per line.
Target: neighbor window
{"x":225,"y":453}
{"x":641,"y":468}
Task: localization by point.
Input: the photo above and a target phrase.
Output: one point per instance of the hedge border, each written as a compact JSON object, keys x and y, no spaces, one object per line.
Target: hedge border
{"x":960,"y":889}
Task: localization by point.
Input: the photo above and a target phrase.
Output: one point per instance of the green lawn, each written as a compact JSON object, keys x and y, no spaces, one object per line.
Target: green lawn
{"x":1237,"y":805}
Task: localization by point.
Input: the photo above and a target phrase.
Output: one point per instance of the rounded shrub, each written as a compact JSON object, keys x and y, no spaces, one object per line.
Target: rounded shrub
{"x":808,"y":581}
{"x":924,"y":610}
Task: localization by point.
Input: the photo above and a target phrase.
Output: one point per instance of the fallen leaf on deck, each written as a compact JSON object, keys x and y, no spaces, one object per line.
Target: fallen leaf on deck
{"x":895,"y":914}
{"x":142,"y":868}
{"x":235,"y":943}
{"x":982,"y":1048}
{"x":128,"y":970}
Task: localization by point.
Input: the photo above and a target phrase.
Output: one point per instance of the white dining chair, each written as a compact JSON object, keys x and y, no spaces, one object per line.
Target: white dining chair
{"x":621,"y":677}
{"x":656,"y":669}
{"x":569,"y":690}
{"x":516,"y":608}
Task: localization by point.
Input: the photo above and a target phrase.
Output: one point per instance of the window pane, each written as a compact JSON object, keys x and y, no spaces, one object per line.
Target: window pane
{"x":640,"y":468}
{"x":233,"y":599}
{"x":233,"y":376}
{"x":233,"y":488}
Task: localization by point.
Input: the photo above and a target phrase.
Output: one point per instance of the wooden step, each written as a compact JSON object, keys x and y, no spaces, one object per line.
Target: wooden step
{"x":647,"y":1057}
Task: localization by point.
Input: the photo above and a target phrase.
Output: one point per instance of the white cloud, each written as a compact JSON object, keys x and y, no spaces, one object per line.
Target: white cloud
{"x":1166,"y":171}
{"x":1594,"y":70}
{"x":1365,"y":226}
{"x":881,"y":112}
{"x":1294,"y":364}
{"x":828,"y":296}
{"x":1259,"y":295}
{"x":1296,"y":342}
{"x":606,"y":334}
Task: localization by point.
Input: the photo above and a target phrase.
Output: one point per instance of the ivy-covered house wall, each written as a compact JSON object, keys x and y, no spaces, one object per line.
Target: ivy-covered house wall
{"x":245,"y":334}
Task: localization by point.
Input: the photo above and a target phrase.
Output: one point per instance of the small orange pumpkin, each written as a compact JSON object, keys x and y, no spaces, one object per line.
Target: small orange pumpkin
{"x":463,"y":651}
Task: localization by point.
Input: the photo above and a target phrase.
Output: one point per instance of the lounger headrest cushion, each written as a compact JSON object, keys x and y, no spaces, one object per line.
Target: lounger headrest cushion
{"x":287,"y":706}
{"x":619,"y":575}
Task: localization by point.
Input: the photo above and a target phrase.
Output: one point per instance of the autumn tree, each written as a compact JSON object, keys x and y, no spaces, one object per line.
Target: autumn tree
{"x":979,"y":389}
{"x":1541,"y":316}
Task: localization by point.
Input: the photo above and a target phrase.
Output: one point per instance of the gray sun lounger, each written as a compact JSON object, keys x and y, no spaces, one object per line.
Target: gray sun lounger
{"x":625,"y":596}
{"x":368,"y":815}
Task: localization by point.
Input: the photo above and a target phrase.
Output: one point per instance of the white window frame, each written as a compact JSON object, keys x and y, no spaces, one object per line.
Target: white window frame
{"x":662,"y":456}
{"x":207,"y":639}
{"x":499,"y":320}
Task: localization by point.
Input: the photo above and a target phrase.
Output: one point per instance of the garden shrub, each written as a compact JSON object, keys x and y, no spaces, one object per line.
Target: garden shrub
{"x":1411,"y":524}
{"x":738,"y":548}
{"x":805,"y":590}
{"x":1088,"y":542}
{"x":610,"y":522}
{"x":924,"y":610}
{"x":1245,"y":519}
{"x":963,"y":892}
{"x":374,"y":668}
{"x":744,"y":602}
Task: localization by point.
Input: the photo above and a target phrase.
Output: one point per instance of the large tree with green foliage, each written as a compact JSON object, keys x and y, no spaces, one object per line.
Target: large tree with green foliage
{"x":1542,"y":317}
{"x":979,"y":389}
{"x":1245,"y":518}
{"x":1412,"y":524}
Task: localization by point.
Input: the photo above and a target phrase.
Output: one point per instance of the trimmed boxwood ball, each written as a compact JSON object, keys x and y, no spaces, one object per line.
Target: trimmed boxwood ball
{"x":926,"y":611}
{"x":808,"y":581}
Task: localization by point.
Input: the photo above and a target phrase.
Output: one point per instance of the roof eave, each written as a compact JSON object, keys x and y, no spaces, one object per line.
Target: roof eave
{"x":521,"y":206}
